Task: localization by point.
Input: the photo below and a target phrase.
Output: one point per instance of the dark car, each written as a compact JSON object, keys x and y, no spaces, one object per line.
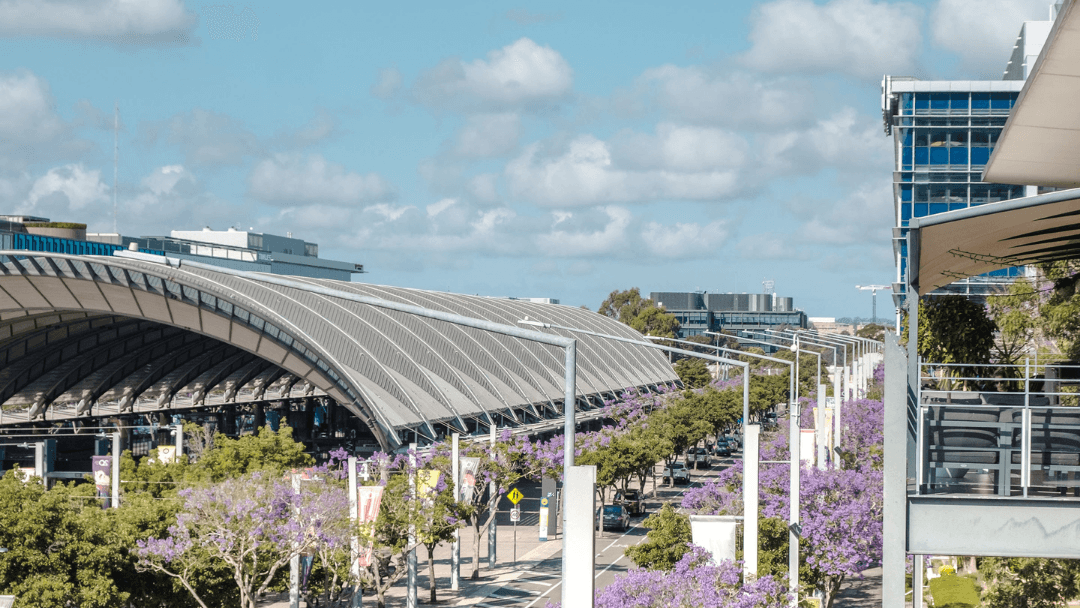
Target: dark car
{"x":722,"y":449}
{"x":632,"y":500}
{"x":613,"y":516}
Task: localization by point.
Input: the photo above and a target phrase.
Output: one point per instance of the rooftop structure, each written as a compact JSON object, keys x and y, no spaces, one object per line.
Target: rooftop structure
{"x":240,"y":250}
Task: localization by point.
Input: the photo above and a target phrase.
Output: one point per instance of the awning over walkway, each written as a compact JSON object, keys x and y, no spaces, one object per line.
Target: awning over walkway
{"x":951,"y":246}
{"x":1038,"y":145}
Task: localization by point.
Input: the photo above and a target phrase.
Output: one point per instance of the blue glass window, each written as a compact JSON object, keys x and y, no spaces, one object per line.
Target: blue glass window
{"x":922,"y":102}
{"x":905,"y":193}
{"x":1001,"y":101}
{"x":905,"y":155}
{"x":957,"y":206}
{"x":921,"y":210}
{"x":922,"y":156}
{"x":939,"y":156}
{"x":979,"y":156}
{"x":958,"y":156}
{"x":936,"y":208}
{"x":905,"y":211}
{"x":959,"y":101}
{"x":939,"y":101}
{"x":980,"y":101}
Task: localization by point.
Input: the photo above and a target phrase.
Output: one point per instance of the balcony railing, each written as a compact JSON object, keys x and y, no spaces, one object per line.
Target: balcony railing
{"x":1007,"y":430}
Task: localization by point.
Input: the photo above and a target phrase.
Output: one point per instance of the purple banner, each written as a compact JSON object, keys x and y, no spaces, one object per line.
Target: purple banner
{"x":102,"y":468}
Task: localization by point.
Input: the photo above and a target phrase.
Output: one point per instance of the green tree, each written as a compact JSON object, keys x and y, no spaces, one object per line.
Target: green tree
{"x":693,"y":372}
{"x":1030,"y":582}
{"x":678,"y":426}
{"x":269,"y":451}
{"x":640,"y":313}
{"x":666,"y":542}
{"x":1016,"y":314}
{"x":873,"y":331}
{"x":954,"y":329}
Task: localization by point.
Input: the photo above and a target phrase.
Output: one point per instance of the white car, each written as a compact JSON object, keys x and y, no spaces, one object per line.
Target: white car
{"x":677,"y":471}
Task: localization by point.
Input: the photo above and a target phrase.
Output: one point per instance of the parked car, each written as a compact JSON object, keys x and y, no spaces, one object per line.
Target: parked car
{"x":723,"y":448}
{"x":697,"y":456}
{"x":632,"y":500}
{"x":678,"y":472}
{"x":769,"y":420}
{"x":613,"y":516}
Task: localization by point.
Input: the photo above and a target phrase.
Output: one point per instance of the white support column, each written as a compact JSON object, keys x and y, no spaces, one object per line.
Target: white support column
{"x":178,"y":430}
{"x":579,"y":536}
{"x":294,"y":563}
{"x":411,"y":599}
{"x":354,"y":543}
{"x":819,"y":427}
{"x":793,"y":494}
{"x":917,"y":572}
{"x":455,"y":547}
{"x":751,"y":456}
{"x":116,"y":470}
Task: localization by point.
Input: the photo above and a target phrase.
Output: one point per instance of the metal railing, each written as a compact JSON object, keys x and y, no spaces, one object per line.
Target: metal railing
{"x":1008,"y":430}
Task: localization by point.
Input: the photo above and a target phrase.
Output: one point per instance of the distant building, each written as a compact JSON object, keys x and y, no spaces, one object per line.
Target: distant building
{"x":237,"y":249}
{"x":699,"y":312}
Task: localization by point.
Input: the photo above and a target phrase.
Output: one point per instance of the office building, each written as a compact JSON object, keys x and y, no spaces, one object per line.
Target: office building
{"x":943,"y":133}
{"x":699,"y":311}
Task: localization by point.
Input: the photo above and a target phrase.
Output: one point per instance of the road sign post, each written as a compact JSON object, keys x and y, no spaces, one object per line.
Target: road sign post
{"x":515,"y":497}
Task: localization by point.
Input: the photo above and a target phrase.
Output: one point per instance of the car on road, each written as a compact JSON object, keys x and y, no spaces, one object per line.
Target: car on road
{"x":632,"y":500}
{"x":678,"y":472}
{"x":697,"y":456}
{"x":722,"y":449}
{"x":613,"y":516}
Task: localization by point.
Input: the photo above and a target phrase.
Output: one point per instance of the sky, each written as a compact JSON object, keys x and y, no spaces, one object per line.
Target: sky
{"x":555,"y":149}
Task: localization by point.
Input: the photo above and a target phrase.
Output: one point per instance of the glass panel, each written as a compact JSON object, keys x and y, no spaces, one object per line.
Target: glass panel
{"x":921,"y":210}
{"x":958,"y":156}
{"x":922,"y":156}
{"x":939,"y":156}
{"x":936,"y":208}
{"x":959,"y":101}
{"x":905,"y":193}
{"x":939,"y":138}
{"x":980,"y":156}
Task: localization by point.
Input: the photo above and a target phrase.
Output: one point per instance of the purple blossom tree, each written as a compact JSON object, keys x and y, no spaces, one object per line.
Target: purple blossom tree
{"x":695,"y":581}
{"x":253,"y":524}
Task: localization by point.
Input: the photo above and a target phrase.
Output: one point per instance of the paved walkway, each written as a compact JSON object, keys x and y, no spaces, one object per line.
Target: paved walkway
{"x":861,"y":593}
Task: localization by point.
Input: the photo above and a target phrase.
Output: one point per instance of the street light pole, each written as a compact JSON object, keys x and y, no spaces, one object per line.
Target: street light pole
{"x":749,"y":493}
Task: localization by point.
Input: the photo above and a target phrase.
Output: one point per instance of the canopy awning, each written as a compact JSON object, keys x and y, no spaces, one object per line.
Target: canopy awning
{"x":947,"y":247}
{"x":1038,"y":145}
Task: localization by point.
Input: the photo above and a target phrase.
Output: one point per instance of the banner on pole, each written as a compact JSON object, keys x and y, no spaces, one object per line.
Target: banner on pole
{"x":368,"y":499}
{"x":102,"y":468}
{"x":427,"y":481}
{"x":166,"y":454}
{"x":715,"y":534}
{"x":807,"y":446}
{"x":469,"y":467}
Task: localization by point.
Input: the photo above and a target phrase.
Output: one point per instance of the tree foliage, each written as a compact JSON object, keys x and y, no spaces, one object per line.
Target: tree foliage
{"x":1030,"y":582}
{"x":667,"y":540}
{"x":640,"y":313}
{"x":693,"y":372}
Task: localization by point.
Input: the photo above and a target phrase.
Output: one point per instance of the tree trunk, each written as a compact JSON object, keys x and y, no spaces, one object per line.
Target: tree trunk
{"x":476,"y":548}
{"x":832,"y":588}
{"x":431,"y":570}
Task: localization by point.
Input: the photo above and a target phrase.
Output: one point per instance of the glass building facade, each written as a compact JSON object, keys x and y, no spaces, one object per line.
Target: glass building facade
{"x":943,"y":134}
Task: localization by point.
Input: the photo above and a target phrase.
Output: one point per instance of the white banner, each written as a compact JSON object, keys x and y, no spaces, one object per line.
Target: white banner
{"x":715,"y":534}
{"x":808,"y":446}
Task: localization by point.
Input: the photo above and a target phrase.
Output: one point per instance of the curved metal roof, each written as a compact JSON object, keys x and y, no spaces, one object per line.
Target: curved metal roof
{"x":76,"y":331}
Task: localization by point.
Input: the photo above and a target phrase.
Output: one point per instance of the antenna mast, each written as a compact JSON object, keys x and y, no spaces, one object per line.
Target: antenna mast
{"x":116,"y":161}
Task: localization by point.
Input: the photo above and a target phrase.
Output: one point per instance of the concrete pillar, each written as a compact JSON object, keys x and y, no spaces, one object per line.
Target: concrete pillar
{"x":260,"y":417}
{"x":579,"y":537}
{"x":751,"y":456}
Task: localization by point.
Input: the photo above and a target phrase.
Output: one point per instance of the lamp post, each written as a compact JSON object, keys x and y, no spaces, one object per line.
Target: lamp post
{"x":750,"y":534}
{"x":795,"y":463}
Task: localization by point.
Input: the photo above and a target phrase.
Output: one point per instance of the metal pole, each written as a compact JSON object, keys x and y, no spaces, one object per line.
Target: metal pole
{"x":354,"y":543}
{"x":793,"y":529}
{"x":179,"y":426}
{"x":411,"y":600}
{"x":294,"y":562}
{"x":116,"y":470}
{"x":455,"y":548}
{"x":494,"y":507}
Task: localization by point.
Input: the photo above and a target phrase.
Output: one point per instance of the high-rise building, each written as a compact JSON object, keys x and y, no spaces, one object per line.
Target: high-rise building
{"x":943,"y":133}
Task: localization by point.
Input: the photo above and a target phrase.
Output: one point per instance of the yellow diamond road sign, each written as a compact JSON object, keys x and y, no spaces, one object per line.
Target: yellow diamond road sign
{"x":515,"y":496}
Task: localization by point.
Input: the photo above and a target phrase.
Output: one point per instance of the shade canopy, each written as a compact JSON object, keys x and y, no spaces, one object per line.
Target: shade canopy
{"x":951,"y":246}
{"x":1038,"y":145}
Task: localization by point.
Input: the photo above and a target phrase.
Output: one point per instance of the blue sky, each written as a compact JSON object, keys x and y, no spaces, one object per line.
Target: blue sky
{"x":557,"y":149}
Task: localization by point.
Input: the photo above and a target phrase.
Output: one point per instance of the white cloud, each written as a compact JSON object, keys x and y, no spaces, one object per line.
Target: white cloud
{"x":697,"y":95}
{"x":26,"y":109}
{"x":125,"y":22}
{"x":293,"y":179}
{"x":632,"y":168}
{"x":863,"y":217}
{"x":74,"y":185}
{"x":685,"y":240}
{"x":520,"y":74}
{"x":388,"y":84}
{"x":850,"y":142}
{"x":983,"y":32}
{"x":858,"y":37}
{"x":566,"y":241}
{"x":487,"y":135}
